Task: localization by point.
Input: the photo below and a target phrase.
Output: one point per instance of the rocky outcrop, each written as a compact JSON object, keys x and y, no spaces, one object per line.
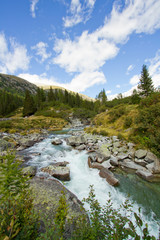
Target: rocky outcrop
{"x":60,"y":172}
{"x":46,"y":195}
{"x":5,"y":145}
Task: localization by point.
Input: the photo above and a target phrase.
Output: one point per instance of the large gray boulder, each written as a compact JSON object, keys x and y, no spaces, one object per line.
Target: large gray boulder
{"x":146,"y":175}
{"x":150,"y":157}
{"x":46,"y":195}
{"x":60,"y":172}
{"x":75,"y":141}
{"x":130,"y":166}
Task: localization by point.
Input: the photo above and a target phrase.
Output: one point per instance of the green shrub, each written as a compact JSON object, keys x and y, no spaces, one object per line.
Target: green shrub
{"x":103,"y":133}
{"x":128,"y":122}
{"x":117,"y":112}
{"x":17,"y":219}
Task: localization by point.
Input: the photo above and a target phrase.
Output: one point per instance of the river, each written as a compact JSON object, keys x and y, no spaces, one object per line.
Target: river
{"x":144,"y":194}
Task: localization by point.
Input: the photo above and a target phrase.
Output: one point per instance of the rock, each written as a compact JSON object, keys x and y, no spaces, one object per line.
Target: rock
{"x":131,"y":145}
{"x":61,"y":164}
{"x":4,"y":145}
{"x":121,"y":157}
{"x":30,"y":171}
{"x":156,"y":168}
{"x":146,"y":175}
{"x":81,"y":147}
{"x":96,"y":165}
{"x":116,"y":144}
{"x":60,"y":172}
{"x":109,"y":176}
{"x":150,"y":166}
{"x":129,"y":165}
{"x":104,"y":152}
{"x":150,"y":157}
{"x":46,"y":195}
{"x":107,"y":164}
{"x":114,"y":161}
{"x":140,"y":153}
{"x":57,"y":142}
{"x":140,"y":162}
{"x":100,"y":159}
{"x":75,"y":140}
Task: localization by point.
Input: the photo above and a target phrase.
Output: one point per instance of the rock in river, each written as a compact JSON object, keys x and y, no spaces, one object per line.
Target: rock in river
{"x":60,"y":172}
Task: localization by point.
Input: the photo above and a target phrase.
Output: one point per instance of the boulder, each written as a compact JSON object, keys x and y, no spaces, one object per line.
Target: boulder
{"x":4,"y":145}
{"x":81,"y":147}
{"x":114,"y":161}
{"x":57,"y":142}
{"x":46,"y":194}
{"x":140,"y":162}
{"x":60,"y":172}
{"x":146,"y":175}
{"x":150,"y":166}
{"x":130,"y":166}
{"x":96,"y":165}
{"x":150,"y":157}
{"x":109,"y":176}
{"x":140,"y":153}
{"x":106,"y":164}
{"x":75,"y":140}
{"x":30,"y":171}
{"x":156,"y":168}
{"x":121,"y":156}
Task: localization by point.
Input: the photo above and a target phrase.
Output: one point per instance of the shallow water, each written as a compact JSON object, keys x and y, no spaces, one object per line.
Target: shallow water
{"x":144,"y":194}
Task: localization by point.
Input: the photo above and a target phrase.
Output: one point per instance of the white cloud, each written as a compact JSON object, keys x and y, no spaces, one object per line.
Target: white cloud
{"x":78,"y":84}
{"x":135,"y":79}
{"x":86,"y":53}
{"x":33,"y":7}
{"x":108,"y":92}
{"x":79,"y":12}
{"x":85,"y":80}
{"x":129,"y":69}
{"x":90,"y":51}
{"x":118,"y":86}
{"x":13,"y":56}
{"x":41,"y":51}
{"x":39,"y":80}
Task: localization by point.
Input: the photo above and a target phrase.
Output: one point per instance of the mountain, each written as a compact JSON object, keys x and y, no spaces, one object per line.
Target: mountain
{"x":16,"y":85}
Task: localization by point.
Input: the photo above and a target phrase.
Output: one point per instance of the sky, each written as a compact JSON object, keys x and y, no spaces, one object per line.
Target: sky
{"x":84,"y":46}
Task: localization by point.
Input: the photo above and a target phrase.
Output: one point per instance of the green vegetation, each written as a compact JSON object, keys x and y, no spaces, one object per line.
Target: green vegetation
{"x":19,"y":221}
{"x":17,"y":218}
{"x":9,"y":102}
{"x":146,"y":85}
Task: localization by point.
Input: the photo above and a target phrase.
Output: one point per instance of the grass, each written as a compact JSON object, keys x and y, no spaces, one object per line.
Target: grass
{"x":102,"y":122}
{"x":32,"y":124}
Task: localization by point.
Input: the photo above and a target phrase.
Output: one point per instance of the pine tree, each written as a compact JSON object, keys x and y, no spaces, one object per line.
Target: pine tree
{"x":145,"y":85}
{"x":29,"y":105}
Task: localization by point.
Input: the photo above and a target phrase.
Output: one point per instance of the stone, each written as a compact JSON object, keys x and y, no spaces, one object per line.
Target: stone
{"x":57,"y":142}
{"x":150,"y":166}
{"x":96,"y":165}
{"x":121,"y":157}
{"x":46,"y":194}
{"x":75,"y":140}
{"x":140,"y":153}
{"x":81,"y":147}
{"x":156,"y":168}
{"x":116,"y":144}
{"x":30,"y":171}
{"x":106,"y":164}
{"x":4,"y":145}
{"x":140,"y":162}
{"x":146,"y":175}
{"x":114,"y":161}
{"x":60,"y":172}
{"x":150,"y":157}
{"x":109,"y":176}
{"x":129,"y":165}
{"x":131,"y":145}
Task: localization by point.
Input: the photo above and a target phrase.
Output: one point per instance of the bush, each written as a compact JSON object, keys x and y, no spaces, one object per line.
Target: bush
{"x":128,"y":122}
{"x":103,"y":133}
{"x":17,"y":219}
{"x":117,"y":112}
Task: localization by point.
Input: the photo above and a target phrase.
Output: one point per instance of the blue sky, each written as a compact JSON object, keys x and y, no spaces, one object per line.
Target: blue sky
{"x":84,"y":46}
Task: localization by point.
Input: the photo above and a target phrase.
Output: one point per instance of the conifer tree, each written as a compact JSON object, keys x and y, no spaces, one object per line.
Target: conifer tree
{"x":145,"y":85}
{"x":29,"y":105}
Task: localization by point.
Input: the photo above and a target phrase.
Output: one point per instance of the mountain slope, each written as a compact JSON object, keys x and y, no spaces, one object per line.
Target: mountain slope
{"x":16,"y":85}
